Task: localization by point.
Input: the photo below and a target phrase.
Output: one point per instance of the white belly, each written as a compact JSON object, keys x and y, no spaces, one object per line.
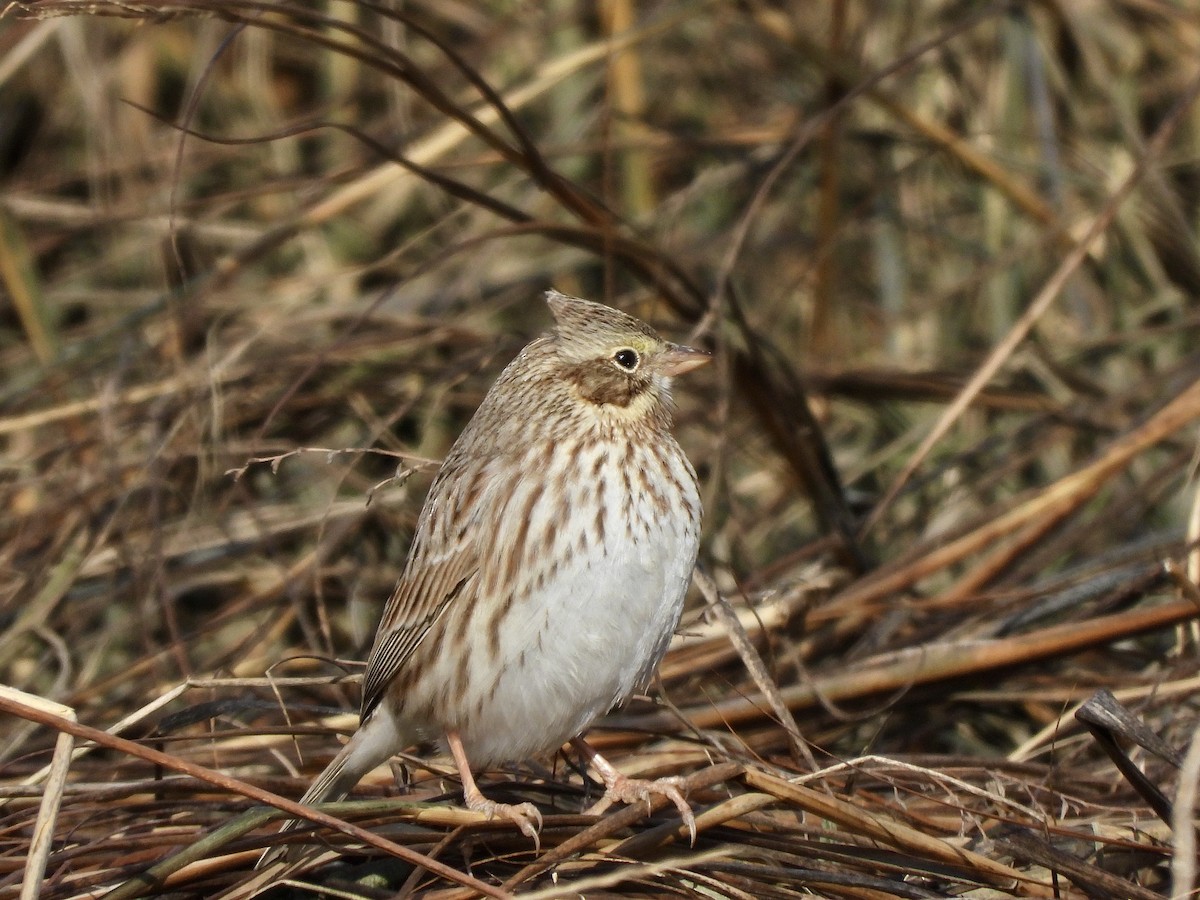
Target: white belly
{"x":580,"y":636}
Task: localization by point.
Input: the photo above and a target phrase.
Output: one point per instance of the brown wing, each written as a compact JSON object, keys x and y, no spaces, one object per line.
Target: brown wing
{"x":441,"y":567}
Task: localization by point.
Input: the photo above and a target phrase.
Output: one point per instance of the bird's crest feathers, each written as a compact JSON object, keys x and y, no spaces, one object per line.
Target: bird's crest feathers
{"x":587,"y":330}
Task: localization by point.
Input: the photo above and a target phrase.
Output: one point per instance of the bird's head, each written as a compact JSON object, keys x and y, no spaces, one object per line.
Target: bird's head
{"x":612,"y":359}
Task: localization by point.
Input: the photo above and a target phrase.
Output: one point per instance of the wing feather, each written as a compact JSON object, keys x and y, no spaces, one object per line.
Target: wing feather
{"x":440,"y":569}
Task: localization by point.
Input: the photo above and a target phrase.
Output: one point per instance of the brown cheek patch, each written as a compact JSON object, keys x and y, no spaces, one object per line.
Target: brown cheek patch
{"x":601,"y":384}
{"x":616,"y":393}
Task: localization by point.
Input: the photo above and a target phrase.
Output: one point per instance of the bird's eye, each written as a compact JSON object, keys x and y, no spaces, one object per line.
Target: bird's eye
{"x":627,"y":359}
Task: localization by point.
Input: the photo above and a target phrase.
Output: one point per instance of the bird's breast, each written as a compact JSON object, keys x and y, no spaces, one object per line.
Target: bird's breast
{"x":580,"y":588}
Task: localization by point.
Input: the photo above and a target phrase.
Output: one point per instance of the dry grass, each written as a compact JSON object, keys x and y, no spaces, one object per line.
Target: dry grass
{"x":262,"y":260}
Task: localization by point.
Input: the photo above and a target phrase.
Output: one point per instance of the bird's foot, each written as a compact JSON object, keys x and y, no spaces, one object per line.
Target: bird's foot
{"x":622,"y":788}
{"x":635,"y":790}
{"x":525,"y":816}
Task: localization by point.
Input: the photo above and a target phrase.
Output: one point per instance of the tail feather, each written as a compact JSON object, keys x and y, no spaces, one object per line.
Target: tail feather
{"x":340,"y":776}
{"x":374,"y":742}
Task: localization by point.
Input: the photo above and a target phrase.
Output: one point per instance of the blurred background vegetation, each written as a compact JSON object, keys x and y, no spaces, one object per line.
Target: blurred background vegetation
{"x":260,"y":261}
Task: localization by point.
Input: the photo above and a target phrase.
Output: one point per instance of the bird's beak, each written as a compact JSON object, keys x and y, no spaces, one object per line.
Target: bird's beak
{"x":678,"y":360}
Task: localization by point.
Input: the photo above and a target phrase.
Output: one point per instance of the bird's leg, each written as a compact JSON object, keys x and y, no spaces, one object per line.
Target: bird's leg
{"x":524,"y":815}
{"x":634,"y":790}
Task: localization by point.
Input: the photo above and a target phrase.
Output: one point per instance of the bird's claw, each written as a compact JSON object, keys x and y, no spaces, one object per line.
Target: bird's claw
{"x":638,"y":790}
{"x":525,"y":816}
